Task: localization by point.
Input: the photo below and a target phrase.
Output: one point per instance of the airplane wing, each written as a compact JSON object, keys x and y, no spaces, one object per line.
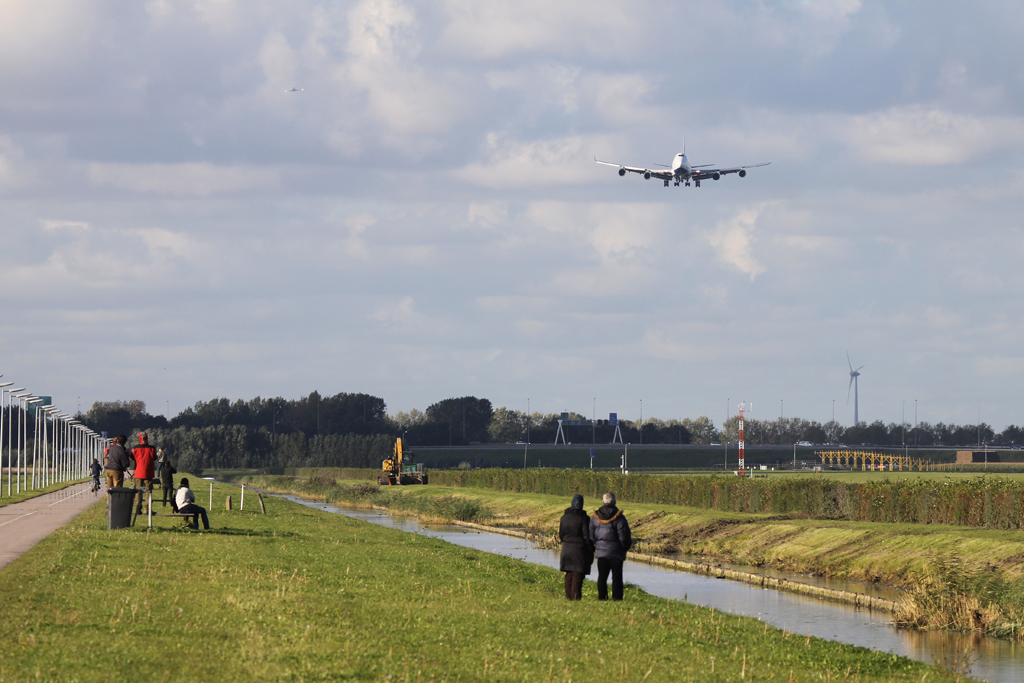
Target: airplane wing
{"x":705,"y":172}
{"x":645,"y":172}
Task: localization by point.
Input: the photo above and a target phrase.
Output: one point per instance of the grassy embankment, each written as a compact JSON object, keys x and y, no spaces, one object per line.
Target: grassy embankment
{"x":305,"y":595}
{"x":26,"y":495}
{"x":960,"y":578}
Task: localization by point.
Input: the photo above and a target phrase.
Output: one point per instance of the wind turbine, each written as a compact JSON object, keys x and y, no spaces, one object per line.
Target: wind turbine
{"x":854,"y":374}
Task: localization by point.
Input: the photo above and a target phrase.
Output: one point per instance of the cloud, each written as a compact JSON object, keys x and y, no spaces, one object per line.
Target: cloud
{"x":615,"y":232}
{"x":64,"y":225}
{"x":488,"y":214}
{"x":398,"y":311}
{"x":671,"y":346}
{"x":383,"y":65}
{"x":733,"y":241}
{"x":513,"y":163}
{"x":186,"y":179}
{"x":12,"y":168}
{"x":917,"y":135}
{"x":495,"y":30}
{"x":354,"y":244}
{"x":1000,"y":366}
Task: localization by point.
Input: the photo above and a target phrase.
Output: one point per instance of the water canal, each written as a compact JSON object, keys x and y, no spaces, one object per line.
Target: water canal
{"x":994,"y":660}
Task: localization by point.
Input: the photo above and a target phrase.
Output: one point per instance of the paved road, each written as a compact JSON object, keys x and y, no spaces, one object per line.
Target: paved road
{"x":24,"y":524}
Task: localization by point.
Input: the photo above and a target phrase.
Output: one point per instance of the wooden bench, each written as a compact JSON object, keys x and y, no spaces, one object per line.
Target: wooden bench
{"x":185,"y":516}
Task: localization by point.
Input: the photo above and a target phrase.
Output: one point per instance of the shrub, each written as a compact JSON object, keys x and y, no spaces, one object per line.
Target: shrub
{"x":982,"y":501}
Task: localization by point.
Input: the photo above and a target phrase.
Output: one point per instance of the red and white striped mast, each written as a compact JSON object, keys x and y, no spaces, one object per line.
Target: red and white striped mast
{"x":741,"y":444}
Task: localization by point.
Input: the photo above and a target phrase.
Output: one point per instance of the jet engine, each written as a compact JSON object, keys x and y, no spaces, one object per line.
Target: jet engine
{"x":743,"y":174}
{"x":647,"y":175}
{"x":716,"y":176}
{"x":622,"y":171}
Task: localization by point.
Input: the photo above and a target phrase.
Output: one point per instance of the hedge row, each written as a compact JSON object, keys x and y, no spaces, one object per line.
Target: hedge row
{"x":982,"y":501}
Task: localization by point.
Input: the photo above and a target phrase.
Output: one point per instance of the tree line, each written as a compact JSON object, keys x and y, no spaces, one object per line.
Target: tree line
{"x":355,"y":430}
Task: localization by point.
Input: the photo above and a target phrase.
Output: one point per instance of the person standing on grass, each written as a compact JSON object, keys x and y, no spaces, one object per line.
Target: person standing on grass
{"x":145,"y":458}
{"x":577,"y":548}
{"x":116,"y":462}
{"x":167,"y":473}
{"x":612,"y":540}
{"x":186,"y":501}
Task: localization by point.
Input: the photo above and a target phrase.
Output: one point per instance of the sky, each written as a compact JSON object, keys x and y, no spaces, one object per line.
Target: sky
{"x":424,"y":218}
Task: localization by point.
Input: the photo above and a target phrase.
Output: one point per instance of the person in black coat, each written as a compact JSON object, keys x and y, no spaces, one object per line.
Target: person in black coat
{"x":612,"y":540}
{"x":577,"y":548}
{"x":167,"y":473}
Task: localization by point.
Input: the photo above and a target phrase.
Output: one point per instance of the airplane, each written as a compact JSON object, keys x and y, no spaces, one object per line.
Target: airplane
{"x":295,"y":90}
{"x":682,"y":172}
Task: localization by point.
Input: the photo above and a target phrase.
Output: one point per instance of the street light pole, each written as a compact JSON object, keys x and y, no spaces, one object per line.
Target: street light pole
{"x":2,"y":392}
{"x":725,"y":436}
{"x":17,"y":475}
{"x":526,"y":448}
{"x":35,"y":444}
{"x":915,"y":423}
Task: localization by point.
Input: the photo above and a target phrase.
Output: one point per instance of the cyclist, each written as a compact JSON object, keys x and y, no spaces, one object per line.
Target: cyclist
{"x":96,"y":468}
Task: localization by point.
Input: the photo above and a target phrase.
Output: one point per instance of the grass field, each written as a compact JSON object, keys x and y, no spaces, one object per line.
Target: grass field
{"x":961,"y":578}
{"x":303,"y":595}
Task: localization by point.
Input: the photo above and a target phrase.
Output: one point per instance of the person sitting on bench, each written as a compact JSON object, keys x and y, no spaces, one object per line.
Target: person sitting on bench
{"x":186,"y":501}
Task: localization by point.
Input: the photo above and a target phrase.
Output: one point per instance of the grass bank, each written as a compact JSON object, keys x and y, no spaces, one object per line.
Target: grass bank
{"x":26,"y":495}
{"x":304,"y":595}
{"x":958,"y":578}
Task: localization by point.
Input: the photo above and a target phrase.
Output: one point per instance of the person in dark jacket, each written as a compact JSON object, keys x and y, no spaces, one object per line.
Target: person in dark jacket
{"x":612,"y":540}
{"x":167,"y":473}
{"x":95,"y":469}
{"x":116,"y":462}
{"x":577,"y":548}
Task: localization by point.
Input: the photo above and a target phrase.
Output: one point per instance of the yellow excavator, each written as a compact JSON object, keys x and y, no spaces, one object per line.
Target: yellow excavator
{"x":398,"y":472}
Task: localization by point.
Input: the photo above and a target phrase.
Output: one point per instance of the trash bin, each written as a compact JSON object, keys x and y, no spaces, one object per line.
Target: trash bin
{"x":120,"y":500}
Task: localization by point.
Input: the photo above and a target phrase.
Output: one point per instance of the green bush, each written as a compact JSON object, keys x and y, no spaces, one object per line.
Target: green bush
{"x":990,"y":502}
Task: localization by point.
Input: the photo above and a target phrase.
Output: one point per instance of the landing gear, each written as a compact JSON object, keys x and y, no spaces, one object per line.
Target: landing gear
{"x":687,"y":183}
{"x":666,"y":183}
{"x":696,"y":183}
{"x":677,"y":183}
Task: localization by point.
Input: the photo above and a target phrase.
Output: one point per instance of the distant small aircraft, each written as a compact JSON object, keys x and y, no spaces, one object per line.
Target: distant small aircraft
{"x":295,"y":90}
{"x":682,"y":172}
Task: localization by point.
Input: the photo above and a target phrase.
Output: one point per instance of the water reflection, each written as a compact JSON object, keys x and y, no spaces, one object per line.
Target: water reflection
{"x":992,"y":660}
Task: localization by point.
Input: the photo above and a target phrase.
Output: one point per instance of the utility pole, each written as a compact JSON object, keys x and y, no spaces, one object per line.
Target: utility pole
{"x":915,"y":423}
{"x":725,"y":437}
{"x":526,"y":448}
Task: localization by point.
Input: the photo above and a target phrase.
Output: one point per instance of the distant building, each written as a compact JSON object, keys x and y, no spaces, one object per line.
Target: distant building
{"x":968,"y":457}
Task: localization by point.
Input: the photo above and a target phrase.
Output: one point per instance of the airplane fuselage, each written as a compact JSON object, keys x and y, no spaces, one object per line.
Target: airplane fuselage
{"x":681,"y":167}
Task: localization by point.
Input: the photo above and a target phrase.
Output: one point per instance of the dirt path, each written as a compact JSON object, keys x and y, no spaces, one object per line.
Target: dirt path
{"x":24,"y":524}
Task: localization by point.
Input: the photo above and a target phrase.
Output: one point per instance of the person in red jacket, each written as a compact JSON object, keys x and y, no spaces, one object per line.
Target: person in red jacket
{"x":145,"y":459}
